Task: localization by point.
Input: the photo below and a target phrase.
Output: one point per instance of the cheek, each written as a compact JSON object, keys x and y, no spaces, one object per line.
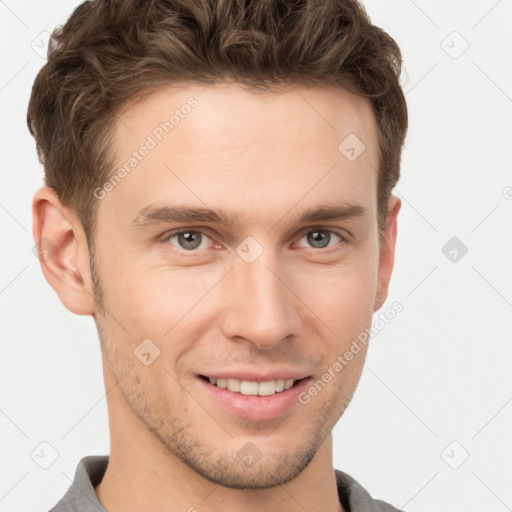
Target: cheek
{"x":342,"y":296}
{"x":163,"y":304}
{"x":148,"y":291}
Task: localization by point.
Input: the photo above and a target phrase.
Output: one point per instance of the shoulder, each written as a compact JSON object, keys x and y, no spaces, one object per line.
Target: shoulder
{"x":355,"y":498}
{"x":80,"y":496}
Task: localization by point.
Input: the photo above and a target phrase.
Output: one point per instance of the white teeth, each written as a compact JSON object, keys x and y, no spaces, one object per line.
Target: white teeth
{"x":247,"y":387}
{"x":279,"y":385}
{"x":234,"y":385}
{"x":267,"y":388}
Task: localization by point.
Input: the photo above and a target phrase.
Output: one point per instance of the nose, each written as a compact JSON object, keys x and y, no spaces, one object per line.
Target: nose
{"x":260,"y":304}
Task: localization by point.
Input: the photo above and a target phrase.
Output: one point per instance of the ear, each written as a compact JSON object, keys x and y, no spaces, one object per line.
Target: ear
{"x":387,"y":251}
{"x":63,"y":251}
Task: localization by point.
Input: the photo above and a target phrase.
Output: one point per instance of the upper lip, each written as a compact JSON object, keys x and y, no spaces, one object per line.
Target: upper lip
{"x":258,"y":376}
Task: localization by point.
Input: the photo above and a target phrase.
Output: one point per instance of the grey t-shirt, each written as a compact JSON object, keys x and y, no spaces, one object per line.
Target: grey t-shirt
{"x":80,"y":497}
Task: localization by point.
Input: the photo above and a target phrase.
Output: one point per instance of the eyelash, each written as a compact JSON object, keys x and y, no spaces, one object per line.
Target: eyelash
{"x":166,"y":236}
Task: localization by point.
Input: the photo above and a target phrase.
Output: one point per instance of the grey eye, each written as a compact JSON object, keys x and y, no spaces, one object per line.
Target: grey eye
{"x":188,"y":240}
{"x":320,"y":238}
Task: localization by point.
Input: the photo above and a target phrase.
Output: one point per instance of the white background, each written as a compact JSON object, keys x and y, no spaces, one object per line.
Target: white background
{"x":439,"y":372}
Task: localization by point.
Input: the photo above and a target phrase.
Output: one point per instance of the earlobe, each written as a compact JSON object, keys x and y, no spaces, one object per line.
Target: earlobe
{"x":61,"y":243}
{"x":387,"y":252}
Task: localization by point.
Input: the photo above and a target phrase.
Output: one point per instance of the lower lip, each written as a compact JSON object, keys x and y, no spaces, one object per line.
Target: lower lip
{"x":256,"y":408}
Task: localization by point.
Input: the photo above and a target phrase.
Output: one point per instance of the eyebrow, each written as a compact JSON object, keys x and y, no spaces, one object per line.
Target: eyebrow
{"x":155,"y":214}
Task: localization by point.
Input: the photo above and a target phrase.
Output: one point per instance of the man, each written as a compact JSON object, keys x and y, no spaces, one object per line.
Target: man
{"x":218,"y":197}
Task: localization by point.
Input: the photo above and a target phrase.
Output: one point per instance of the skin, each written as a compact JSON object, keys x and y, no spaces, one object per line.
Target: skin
{"x":298,"y":305}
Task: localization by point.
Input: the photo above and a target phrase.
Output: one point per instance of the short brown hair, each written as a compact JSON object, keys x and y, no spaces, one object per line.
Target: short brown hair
{"x":111,"y":52}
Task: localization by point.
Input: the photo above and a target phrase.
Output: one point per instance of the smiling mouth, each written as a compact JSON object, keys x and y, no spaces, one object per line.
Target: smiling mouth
{"x":247,"y":387}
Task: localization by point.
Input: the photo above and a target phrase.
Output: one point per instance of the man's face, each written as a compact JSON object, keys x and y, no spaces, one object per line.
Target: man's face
{"x":266,"y":297}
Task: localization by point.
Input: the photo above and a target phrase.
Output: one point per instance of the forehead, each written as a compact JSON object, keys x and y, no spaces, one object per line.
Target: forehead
{"x":205,"y":145}
{"x":223,"y":113}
